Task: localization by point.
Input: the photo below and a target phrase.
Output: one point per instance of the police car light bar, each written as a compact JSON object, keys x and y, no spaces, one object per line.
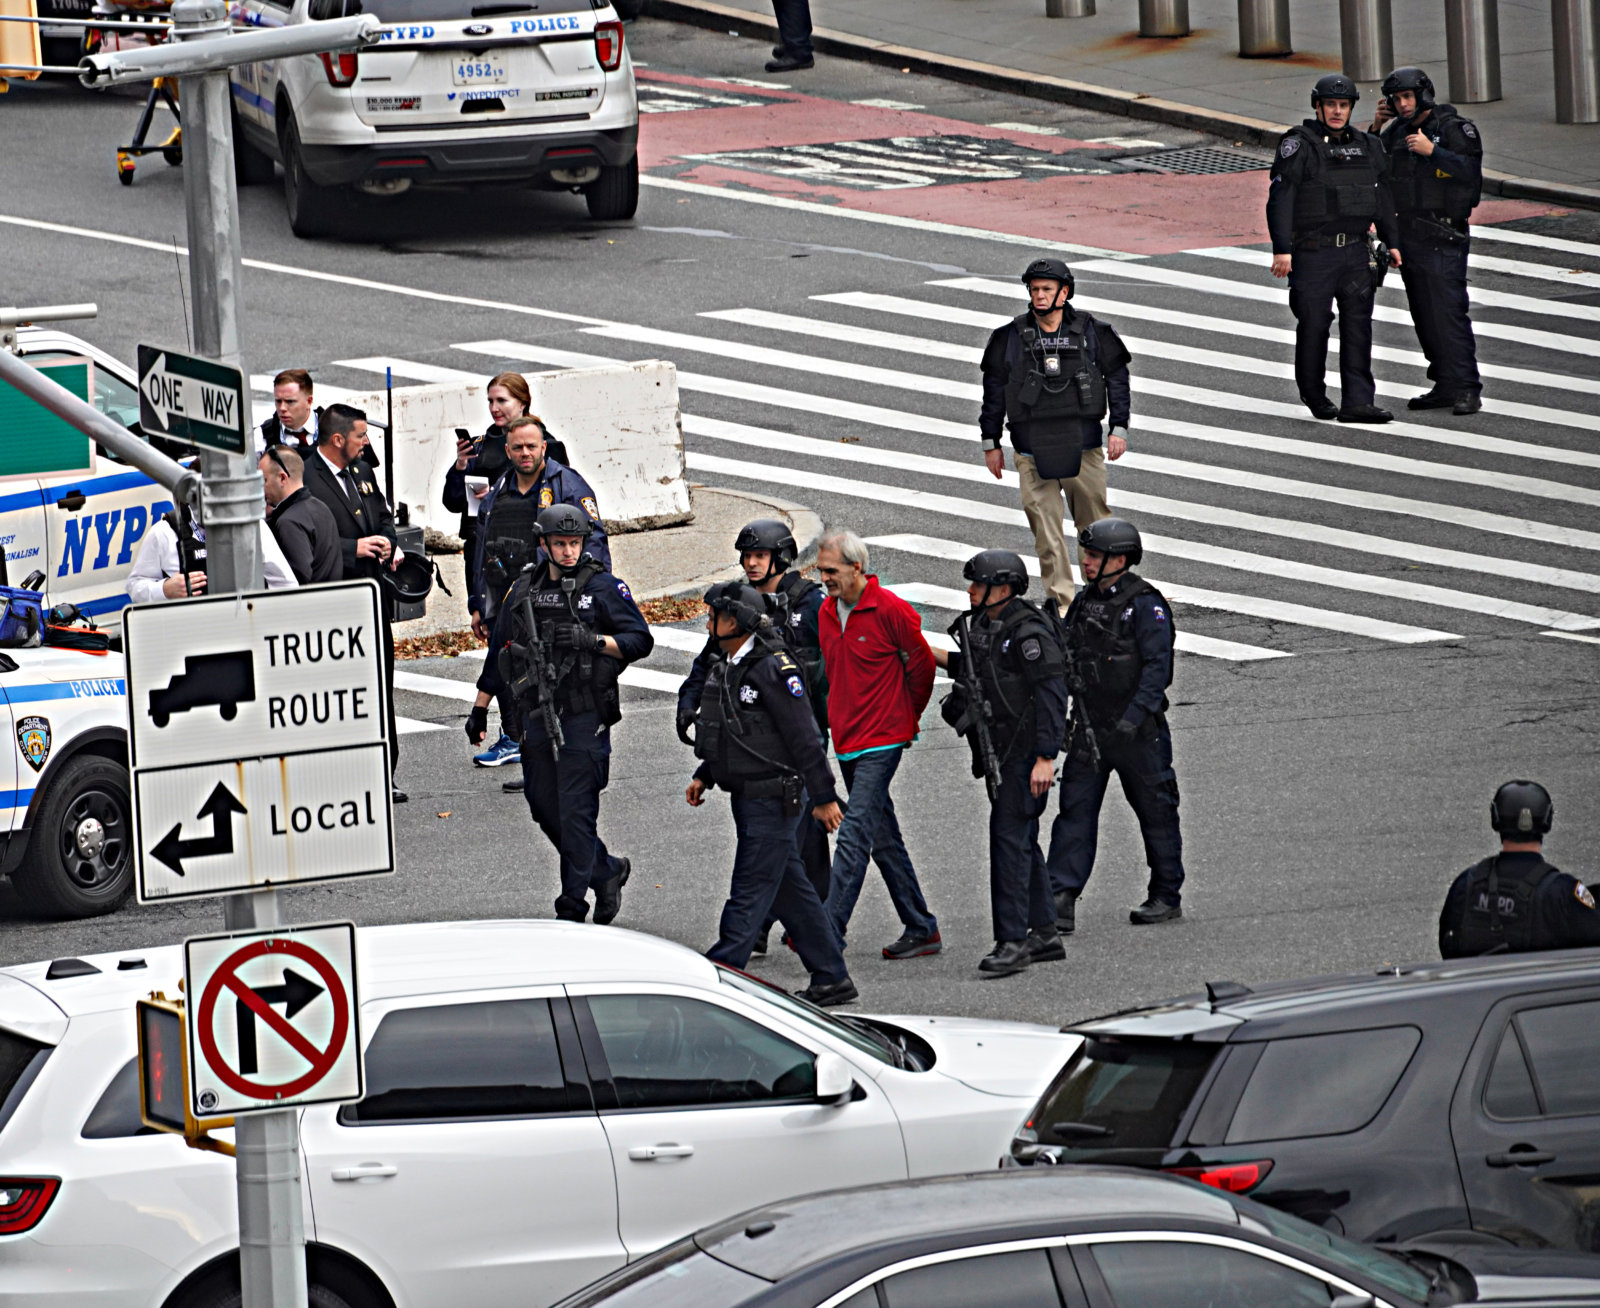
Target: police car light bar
{"x":181,"y":59}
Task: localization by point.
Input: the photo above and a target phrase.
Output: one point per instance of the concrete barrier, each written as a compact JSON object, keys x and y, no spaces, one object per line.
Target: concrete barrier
{"x":619,"y":422}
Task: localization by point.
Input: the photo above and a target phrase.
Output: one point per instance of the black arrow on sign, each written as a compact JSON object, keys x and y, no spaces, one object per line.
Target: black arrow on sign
{"x":294,"y":994}
{"x":220,"y":808}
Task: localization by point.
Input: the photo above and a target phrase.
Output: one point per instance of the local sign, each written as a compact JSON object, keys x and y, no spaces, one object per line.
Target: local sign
{"x":199,"y":401}
{"x":257,"y":739}
{"x":272,"y":1019}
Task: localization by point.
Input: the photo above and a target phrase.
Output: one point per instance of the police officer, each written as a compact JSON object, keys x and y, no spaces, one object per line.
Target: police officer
{"x":1514,"y":902}
{"x":767,"y":551}
{"x":1051,"y":374}
{"x":1010,"y":703}
{"x":565,"y":631}
{"x":756,"y":738}
{"x":1436,"y":176}
{"x":1119,"y":635}
{"x":1328,"y":189}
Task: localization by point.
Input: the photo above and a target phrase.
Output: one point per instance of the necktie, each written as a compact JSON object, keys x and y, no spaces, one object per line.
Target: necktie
{"x":350,"y":489}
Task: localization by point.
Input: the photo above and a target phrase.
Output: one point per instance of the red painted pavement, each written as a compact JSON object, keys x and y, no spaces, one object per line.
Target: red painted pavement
{"x":1139,"y":213}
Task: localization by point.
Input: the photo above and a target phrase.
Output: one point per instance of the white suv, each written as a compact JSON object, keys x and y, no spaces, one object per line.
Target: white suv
{"x":545,"y":1102}
{"x":455,"y":93}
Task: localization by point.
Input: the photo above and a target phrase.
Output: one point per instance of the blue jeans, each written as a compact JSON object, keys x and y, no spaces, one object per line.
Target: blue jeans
{"x":565,"y":802}
{"x":870,"y":831}
{"x":768,"y":876}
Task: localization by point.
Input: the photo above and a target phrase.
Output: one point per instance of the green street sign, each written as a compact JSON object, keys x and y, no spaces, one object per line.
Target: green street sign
{"x":36,"y":443}
{"x":199,"y":401}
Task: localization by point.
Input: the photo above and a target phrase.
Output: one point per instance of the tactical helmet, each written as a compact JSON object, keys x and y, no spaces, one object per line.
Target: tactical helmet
{"x":1054,"y":269}
{"x":563,"y":520}
{"x":410,"y":581}
{"x":1335,"y":86}
{"x":1521,"y":809}
{"x":772,"y":535}
{"x":997,"y":568}
{"x":1113,"y":536}
{"x":747,"y":605}
{"x":1409,"y":79}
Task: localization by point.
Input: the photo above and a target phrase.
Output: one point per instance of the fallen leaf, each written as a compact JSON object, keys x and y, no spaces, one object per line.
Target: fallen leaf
{"x":446,"y":813}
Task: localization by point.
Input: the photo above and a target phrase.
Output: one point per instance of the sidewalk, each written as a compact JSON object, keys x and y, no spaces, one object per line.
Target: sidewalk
{"x":1196,"y":81}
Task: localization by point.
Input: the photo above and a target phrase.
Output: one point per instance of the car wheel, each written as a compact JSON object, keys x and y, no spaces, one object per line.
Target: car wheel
{"x":311,"y":207}
{"x":251,"y":167}
{"x":79,"y":861}
{"x":616,"y":194}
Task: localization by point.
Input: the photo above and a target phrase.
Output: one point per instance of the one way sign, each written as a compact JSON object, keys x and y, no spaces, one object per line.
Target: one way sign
{"x":196,"y":400}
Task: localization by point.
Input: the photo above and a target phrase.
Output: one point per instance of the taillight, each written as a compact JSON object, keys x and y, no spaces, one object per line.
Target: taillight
{"x":1236,"y":1178}
{"x":341,"y":68}
{"x":608,"y":45}
{"x":23,"y":1200}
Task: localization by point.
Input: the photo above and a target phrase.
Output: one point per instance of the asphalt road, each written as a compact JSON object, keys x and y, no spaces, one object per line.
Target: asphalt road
{"x":1339,"y":725}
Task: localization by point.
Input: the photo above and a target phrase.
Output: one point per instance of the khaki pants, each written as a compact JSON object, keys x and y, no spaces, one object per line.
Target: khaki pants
{"x":1041,"y":502}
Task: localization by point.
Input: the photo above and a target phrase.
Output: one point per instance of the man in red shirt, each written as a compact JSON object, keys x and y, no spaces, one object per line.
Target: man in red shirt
{"x":880,"y":677}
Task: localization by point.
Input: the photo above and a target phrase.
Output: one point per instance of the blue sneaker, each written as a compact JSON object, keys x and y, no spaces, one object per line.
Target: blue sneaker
{"x":504,"y":750}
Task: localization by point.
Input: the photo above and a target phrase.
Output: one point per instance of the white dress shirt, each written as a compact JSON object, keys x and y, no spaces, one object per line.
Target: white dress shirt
{"x":158,"y":559}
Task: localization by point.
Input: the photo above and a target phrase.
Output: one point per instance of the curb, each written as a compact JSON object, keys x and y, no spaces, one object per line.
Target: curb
{"x":1040,"y":86}
{"x":807,"y":527}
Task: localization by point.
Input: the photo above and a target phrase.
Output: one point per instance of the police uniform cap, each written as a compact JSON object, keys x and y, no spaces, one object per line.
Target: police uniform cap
{"x":1409,"y":79}
{"x":1521,"y":808}
{"x":997,"y":568}
{"x":740,"y":599}
{"x":769,"y":534}
{"x":1335,"y":86}
{"x":1113,"y":536}
{"x":563,"y":520}
{"x":1053,"y":269}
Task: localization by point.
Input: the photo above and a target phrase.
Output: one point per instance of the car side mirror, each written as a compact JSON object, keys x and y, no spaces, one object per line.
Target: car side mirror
{"x":1353,"y":1301}
{"x":835,"y":1083}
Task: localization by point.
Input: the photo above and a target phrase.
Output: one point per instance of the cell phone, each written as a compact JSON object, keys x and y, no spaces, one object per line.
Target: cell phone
{"x":465,"y":437}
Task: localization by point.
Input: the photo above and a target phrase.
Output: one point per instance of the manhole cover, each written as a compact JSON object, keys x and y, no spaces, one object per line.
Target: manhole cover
{"x":1203,"y":159}
{"x":902,"y":162}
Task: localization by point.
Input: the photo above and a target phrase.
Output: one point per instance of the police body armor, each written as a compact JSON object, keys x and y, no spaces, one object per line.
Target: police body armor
{"x":793,"y":590}
{"x":1055,"y":388}
{"x":1103,"y":648}
{"x":582,"y":683}
{"x":1497,"y":913}
{"x":1346,"y":183}
{"x":1008,"y":693}
{"x":741,"y":741}
{"x":1416,"y":183}
{"x":510,"y":543}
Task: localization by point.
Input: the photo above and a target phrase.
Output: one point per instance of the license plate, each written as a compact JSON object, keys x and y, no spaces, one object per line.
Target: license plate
{"x":477,"y":72}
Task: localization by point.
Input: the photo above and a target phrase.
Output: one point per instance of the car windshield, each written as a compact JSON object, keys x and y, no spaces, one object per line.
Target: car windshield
{"x":112,"y":396}
{"x":1121,"y":1094}
{"x":1361,"y":1260}
{"x":792,"y":1007}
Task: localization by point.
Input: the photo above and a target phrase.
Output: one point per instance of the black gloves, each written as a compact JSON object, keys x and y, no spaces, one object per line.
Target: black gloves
{"x":686,"y":717}
{"x":1126,"y":730}
{"x":577,"y":636}
{"x":478,"y":724}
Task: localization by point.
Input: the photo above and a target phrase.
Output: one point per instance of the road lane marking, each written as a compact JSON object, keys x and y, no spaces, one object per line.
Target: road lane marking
{"x":1538,"y":240}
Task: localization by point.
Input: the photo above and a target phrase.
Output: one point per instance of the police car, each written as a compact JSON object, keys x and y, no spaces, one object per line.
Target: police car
{"x":455,"y":93}
{"x":65,"y":815}
{"x":83,"y":533}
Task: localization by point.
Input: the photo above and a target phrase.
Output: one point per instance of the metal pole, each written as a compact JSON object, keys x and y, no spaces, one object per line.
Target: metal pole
{"x":1367,"y":38}
{"x":1264,"y":28}
{"x":1163,"y":17}
{"x":1576,"y":25}
{"x":1069,"y":8}
{"x":1472,"y":38}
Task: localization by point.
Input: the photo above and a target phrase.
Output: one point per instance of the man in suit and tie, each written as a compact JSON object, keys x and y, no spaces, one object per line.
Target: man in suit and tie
{"x":337,"y":474}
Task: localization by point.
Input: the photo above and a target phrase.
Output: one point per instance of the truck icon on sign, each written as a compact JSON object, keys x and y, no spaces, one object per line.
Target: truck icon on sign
{"x":226,"y":680}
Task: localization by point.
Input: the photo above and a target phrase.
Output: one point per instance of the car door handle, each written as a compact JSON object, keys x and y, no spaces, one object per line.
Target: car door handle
{"x":72,"y":501}
{"x":649,"y":1153}
{"x":365,"y":1172}
{"x":1522,"y":1156}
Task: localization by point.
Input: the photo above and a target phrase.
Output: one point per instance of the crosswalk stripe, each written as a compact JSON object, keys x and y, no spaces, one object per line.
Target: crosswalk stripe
{"x":1480,"y":298}
{"x":1140,"y":348}
{"x":1538,"y":240}
{"x":413,"y":727}
{"x":689,"y":641}
{"x":1537,"y":271}
{"x":466,"y":692}
{"x":1186,"y":642}
{"x":1360,"y":542}
{"x":1572,"y":635}
{"x":422,"y":372}
{"x":1208,"y":324}
{"x":1187,"y":281}
{"x":1253,"y":605}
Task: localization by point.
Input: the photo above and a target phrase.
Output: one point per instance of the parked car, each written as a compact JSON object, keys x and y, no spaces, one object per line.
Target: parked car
{"x":544,"y":1102}
{"x":1081,"y":1237}
{"x":1435,"y":1099}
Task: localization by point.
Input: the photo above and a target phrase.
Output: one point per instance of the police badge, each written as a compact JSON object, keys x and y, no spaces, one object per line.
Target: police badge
{"x":33,"y":739}
{"x":547,"y":497}
{"x":1289,"y":146}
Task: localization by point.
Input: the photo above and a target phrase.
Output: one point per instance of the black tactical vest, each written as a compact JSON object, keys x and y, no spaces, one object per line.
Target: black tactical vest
{"x":1102,"y":645}
{"x":1497,"y":911}
{"x":792,"y":592}
{"x":583,"y":683}
{"x":1054,"y":380}
{"x":510,"y":543}
{"x":1415,"y":181}
{"x":740,"y":739}
{"x":1344,"y":184}
{"x":1008,"y":693}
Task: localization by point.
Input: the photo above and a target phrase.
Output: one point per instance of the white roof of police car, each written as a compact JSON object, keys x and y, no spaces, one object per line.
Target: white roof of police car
{"x":414,"y":959}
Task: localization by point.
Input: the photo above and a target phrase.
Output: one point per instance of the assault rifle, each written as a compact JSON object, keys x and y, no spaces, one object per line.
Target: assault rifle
{"x":976,"y":718}
{"x":534,"y":670}
{"x":1077,"y":687}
